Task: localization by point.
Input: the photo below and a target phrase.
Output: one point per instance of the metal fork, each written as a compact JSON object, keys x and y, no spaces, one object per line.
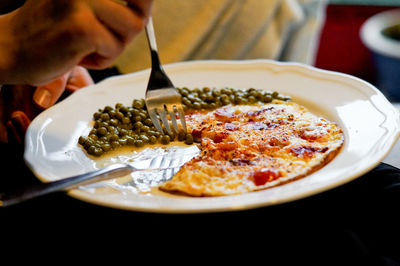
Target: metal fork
{"x":109,"y":172}
{"x":162,"y":97}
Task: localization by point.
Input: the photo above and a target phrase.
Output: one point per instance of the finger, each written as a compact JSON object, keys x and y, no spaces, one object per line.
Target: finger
{"x":47,"y":95}
{"x":17,"y":126}
{"x":79,"y":78}
{"x":106,"y":47}
{"x":121,"y":20}
{"x":96,"y":61}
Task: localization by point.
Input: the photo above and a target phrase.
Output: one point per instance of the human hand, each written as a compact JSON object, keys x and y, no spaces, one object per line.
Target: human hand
{"x":43,"y":39}
{"x":19,"y":104}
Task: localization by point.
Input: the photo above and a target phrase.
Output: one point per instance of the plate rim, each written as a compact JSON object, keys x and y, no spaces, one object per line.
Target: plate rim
{"x":279,"y":66}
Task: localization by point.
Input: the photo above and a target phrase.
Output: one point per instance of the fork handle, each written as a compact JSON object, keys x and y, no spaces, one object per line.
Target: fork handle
{"x":151,"y":37}
{"x":158,"y":76}
{"x":108,"y":172}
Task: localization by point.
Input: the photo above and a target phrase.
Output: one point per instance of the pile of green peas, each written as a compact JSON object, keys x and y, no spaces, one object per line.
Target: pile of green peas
{"x":207,"y":98}
{"x":131,"y":125}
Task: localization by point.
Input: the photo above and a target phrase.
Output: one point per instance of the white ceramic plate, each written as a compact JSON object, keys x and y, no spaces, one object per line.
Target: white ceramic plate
{"x":370,"y":124}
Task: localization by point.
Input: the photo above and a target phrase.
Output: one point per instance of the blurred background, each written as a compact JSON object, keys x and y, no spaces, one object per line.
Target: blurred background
{"x":340,"y":46}
{"x":323,"y":33}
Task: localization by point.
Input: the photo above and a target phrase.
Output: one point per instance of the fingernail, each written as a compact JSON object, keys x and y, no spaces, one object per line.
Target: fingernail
{"x":21,"y":119}
{"x":42,"y":97}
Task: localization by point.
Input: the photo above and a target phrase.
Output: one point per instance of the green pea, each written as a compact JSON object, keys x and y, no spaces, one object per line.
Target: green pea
{"x":206,"y":89}
{"x":126,"y":120}
{"x":88,"y":142}
{"x":238,"y":100}
{"x":93,"y":137}
{"x":115,"y":144}
{"x":107,"y":109}
{"x":226,"y":91}
{"x":97,"y":115}
{"x":152,"y":139}
{"x":105,"y":117}
{"x":112,"y":113}
{"x":212,"y":105}
{"x":123,"y":132}
{"x":193,"y":97}
{"x":101,"y":131}
{"x":196,"y":105}
{"x":148,"y":122}
{"x":139,"y":104}
{"x":172,"y":136}
{"x":202,"y":96}
{"x":113,"y":137}
{"x":197,"y":90}
{"x":123,"y":109}
{"x":143,"y":116}
{"x":181,"y":136}
{"x":81,"y":140}
{"x":97,"y":123}
{"x":138,"y":125}
{"x":186,"y":101}
{"x":144,"y":138}
{"x":267,"y":98}
{"x":184,"y":92}
{"x":259,"y":95}
{"x":129,"y":140}
{"x":98,"y":151}
{"x":145,"y":129}
{"x":91,"y":149}
{"x":154,"y":133}
{"x":209,"y":98}
{"x":119,"y":115}
{"x":112,"y":130}
{"x":139,"y":143}
{"x":123,"y":126}
{"x":252,"y":99}
{"x":216,"y":93}
{"x":136,"y":118}
{"x":165,"y":139}
{"x":106,"y":147}
{"x":225,"y":99}
{"x":104,"y":139}
{"x":114,"y":122}
{"x":135,"y":112}
{"x":123,"y":141}
{"x":189,"y":139}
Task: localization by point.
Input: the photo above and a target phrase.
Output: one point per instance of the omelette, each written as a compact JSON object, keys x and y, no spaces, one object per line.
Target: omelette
{"x":248,"y":148}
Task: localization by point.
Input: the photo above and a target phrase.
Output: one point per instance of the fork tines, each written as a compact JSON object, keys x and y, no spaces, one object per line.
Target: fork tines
{"x":164,"y":103}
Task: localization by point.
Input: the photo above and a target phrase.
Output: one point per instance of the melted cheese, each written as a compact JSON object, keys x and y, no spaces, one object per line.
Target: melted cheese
{"x":252,"y":147}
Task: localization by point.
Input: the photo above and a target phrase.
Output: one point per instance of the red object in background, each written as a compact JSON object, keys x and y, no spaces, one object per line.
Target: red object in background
{"x":340,"y":47}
